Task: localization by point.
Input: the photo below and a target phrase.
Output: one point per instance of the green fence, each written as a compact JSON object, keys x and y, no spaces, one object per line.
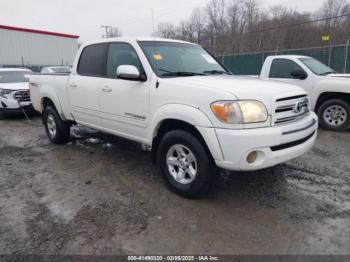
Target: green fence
{"x":338,"y":57}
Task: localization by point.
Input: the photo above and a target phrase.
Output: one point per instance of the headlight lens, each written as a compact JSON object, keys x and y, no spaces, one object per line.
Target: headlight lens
{"x":4,"y":92}
{"x":253,"y":111}
{"x":240,"y":112}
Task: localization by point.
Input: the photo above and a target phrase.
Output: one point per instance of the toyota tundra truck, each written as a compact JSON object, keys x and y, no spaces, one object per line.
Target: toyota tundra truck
{"x":179,"y":102}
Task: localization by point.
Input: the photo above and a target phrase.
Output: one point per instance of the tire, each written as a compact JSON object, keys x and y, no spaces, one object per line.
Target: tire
{"x":57,"y":130}
{"x":334,"y":115}
{"x":2,"y":115}
{"x":197,"y":161}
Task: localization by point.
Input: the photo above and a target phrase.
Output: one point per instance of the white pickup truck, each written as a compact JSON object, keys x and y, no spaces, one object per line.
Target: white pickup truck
{"x":329,"y":92}
{"x":183,"y":105}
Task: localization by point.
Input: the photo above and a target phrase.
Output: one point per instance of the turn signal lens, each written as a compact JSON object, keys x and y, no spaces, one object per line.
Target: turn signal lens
{"x":227,"y":112}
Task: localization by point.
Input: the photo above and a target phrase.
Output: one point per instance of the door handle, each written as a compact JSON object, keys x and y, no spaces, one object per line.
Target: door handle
{"x":73,"y":85}
{"x":107,"y":89}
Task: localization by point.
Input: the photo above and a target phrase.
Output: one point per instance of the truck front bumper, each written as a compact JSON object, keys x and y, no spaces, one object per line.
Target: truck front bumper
{"x":269,"y":146}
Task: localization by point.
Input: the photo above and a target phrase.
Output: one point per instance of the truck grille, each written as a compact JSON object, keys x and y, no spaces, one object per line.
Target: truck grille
{"x":290,"y":108}
{"x":22,"y":96}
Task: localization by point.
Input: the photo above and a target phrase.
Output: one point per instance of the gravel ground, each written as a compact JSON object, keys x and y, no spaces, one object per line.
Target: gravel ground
{"x":101,"y":195}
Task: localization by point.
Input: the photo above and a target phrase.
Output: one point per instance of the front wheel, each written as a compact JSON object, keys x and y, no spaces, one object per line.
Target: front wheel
{"x":334,"y":115}
{"x":57,"y":130}
{"x":184,"y":163}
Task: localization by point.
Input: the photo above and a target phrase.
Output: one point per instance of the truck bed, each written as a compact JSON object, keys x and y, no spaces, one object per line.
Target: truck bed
{"x":41,"y":84}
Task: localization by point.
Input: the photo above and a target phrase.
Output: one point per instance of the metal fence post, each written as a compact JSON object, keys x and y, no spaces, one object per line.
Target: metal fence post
{"x":346,"y":55}
{"x":329,"y":55}
{"x":277,"y":49}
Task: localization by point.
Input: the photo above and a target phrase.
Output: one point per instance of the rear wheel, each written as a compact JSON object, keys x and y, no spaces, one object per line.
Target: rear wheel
{"x":184,"y":163}
{"x":1,"y":114}
{"x":57,"y":130}
{"x":334,"y":115}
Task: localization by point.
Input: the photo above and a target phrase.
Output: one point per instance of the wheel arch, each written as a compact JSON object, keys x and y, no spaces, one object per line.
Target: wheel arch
{"x":168,"y":125}
{"x":323,"y":97}
{"x":186,"y":118}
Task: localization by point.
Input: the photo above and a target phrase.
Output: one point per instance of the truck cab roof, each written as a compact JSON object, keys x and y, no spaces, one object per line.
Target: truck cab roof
{"x":134,"y":39}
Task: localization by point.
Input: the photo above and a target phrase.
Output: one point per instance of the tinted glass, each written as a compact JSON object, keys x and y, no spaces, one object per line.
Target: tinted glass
{"x":121,"y":54}
{"x":283,"y":68}
{"x":169,"y":57}
{"x":93,"y":60}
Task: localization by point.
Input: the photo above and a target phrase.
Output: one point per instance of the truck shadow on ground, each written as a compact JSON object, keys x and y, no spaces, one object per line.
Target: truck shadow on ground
{"x":303,"y":189}
{"x":267,"y":186}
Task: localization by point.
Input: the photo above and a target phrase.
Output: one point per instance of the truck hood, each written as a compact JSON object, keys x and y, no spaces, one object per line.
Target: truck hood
{"x":15,"y":86}
{"x":243,"y":88}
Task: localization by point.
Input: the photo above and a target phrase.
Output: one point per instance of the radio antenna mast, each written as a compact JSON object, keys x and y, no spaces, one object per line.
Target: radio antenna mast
{"x":154,"y":49}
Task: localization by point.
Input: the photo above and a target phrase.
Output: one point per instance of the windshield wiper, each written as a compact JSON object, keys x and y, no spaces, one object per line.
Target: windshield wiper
{"x":180,"y":73}
{"x":216,"y":72}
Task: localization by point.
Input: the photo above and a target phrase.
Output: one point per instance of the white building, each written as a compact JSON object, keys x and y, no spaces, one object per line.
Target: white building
{"x":35,"y":48}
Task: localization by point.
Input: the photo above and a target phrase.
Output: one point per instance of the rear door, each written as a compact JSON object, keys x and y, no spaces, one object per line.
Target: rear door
{"x":124,"y":103}
{"x":85,"y":84}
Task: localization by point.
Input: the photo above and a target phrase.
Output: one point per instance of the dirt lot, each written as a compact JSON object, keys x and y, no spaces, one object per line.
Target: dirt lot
{"x":101,"y":195}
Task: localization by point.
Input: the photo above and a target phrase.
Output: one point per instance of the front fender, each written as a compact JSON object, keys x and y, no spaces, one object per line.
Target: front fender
{"x":333,"y":85}
{"x":192,"y":116}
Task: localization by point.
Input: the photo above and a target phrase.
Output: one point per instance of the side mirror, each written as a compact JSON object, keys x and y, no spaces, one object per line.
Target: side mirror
{"x":129,"y":72}
{"x":299,"y":74}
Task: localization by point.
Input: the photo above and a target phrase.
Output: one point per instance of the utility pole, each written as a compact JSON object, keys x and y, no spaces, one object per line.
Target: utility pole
{"x":106,"y":27}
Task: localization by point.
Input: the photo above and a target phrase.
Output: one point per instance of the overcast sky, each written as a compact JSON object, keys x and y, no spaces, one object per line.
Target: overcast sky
{"x":133,"y":17}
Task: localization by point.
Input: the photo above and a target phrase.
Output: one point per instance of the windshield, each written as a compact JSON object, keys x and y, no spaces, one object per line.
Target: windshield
{"x":14,"y":76}
{"x":170,"y":59}
{"x":317,"y":67}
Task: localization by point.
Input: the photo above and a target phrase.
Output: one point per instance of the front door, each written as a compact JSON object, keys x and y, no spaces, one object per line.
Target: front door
{"x":124,"y":104}
{"x":281,"y":70}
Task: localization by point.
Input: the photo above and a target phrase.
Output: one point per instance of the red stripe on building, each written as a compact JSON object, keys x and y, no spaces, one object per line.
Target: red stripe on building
{"x":12,"y":28}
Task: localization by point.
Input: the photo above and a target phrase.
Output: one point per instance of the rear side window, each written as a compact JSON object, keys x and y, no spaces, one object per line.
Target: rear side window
{"x":93,"y":60}
{"x":283,"y":68}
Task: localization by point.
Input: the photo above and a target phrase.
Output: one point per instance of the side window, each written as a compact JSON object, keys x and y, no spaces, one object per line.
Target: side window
{"x":121,"y":54}
{"x":93,"y":61}
{"x":283,"y":68}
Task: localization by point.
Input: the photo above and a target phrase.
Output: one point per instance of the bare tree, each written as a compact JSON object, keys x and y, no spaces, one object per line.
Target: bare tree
{"x":115,"y":32}
{"x":166,"y":30}
{"x":198,"y":22}
{"x":216,"y":12}
{"x":232,"y":26}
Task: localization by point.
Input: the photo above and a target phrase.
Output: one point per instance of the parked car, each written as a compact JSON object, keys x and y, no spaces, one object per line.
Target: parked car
{"x":177,"y":100}
{"x":14,"y":91}
{"x":56,"y":70}
{"x":329,"y":91}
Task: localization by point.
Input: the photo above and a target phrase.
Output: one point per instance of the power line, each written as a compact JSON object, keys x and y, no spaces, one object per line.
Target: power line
{"x":282,"y":27}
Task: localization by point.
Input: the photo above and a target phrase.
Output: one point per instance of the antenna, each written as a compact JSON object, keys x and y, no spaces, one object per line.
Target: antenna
{"x":154,"y":49}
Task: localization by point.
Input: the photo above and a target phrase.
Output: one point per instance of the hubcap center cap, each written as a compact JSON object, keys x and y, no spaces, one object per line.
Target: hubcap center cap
{"x":183,"y":162}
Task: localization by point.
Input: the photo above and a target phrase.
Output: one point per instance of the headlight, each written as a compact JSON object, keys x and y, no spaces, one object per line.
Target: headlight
{"x":240,"y":112}
{"x":4,"y":92}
